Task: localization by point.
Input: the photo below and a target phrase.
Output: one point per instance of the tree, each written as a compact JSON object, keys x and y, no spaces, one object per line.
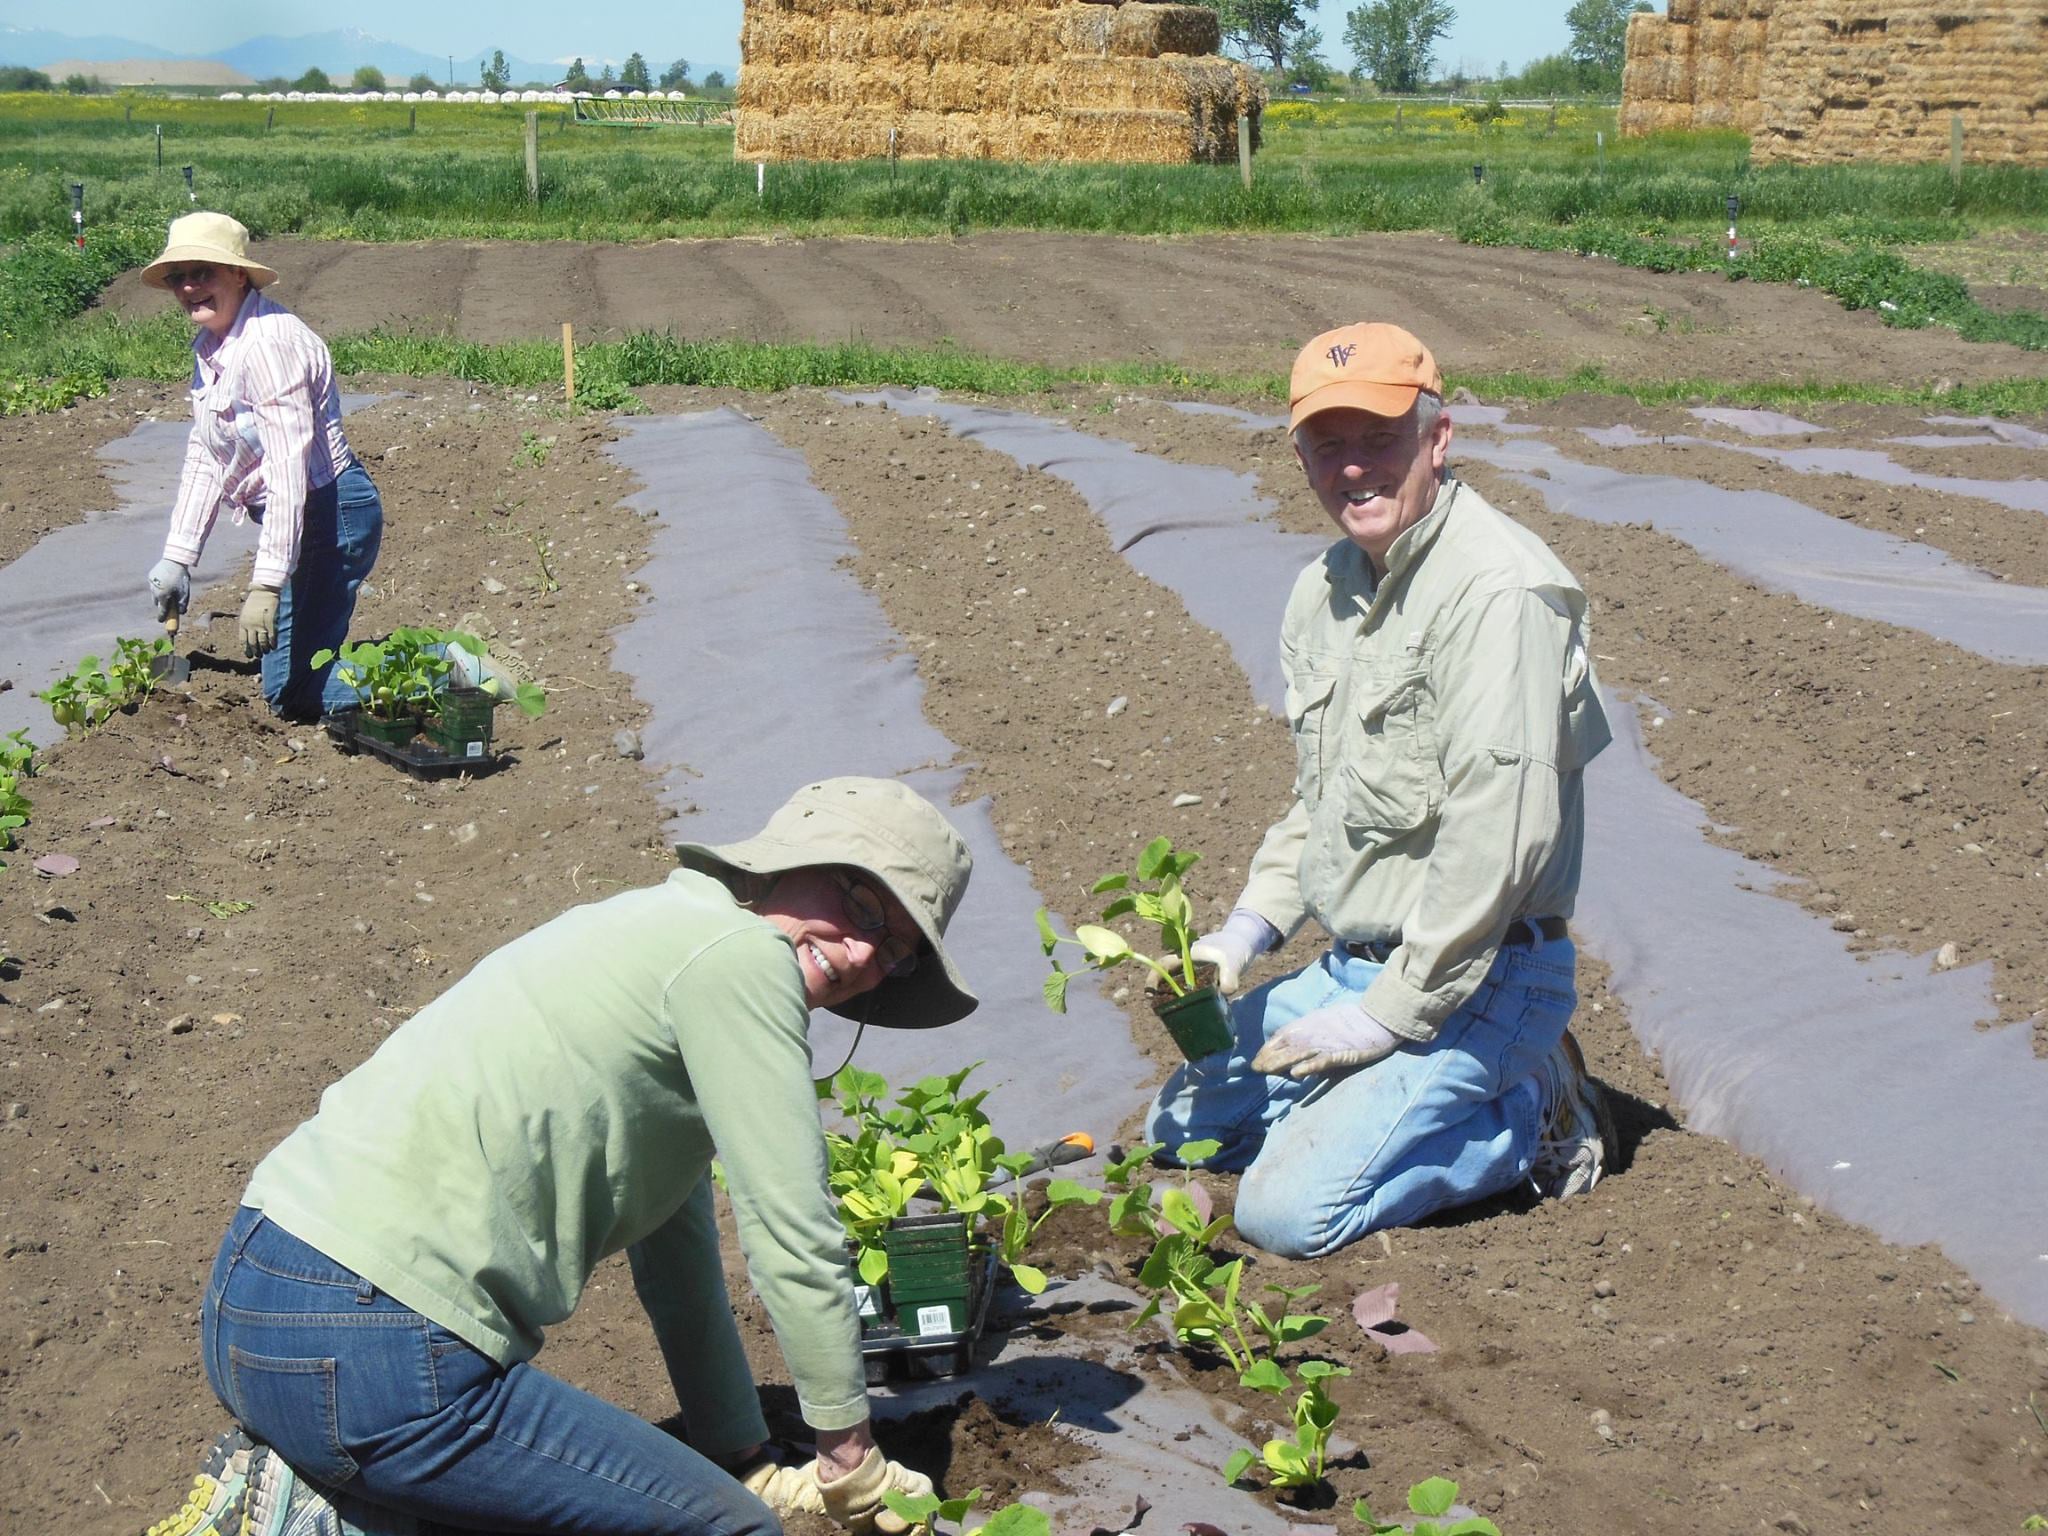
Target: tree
{"x":78,"y":85}
{"x":578,"y":78}
{"x":1552,"y":75}
{"x":421,"y":82}
{"x":1260,"y":30}
{"x":314,"y":79}
{"x":715,"y":81}
{"x":16,"y":77}
{"x":1305,"y":63}
{"x":368,"y":77}
{"x":1599,"y":44}
{"x":677,"y":76}
{"x":605,"y":77}
{"x":497,"y":73}
{"x":1394,"y":41}
{"x":634,"y":75}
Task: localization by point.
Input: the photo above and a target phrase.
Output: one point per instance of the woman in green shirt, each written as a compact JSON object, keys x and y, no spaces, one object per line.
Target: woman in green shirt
{"x":374,"y":1310}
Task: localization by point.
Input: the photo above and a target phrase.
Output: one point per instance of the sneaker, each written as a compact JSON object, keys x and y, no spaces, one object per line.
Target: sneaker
{"x":281,"y":1503}
{"x":1577,"y":1141}
{"x":219,"y":1495}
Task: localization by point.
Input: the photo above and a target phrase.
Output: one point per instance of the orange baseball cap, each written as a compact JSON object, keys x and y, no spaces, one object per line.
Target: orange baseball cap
{"x":1378,"y":368}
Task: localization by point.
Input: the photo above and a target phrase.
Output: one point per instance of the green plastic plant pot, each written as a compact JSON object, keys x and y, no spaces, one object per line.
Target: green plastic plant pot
{"x":1198,"y":1022}
{"x":395,"y":733}
{"x":462,"y":728}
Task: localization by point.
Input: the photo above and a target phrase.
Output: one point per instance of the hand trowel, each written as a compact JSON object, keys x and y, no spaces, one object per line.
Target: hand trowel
{"x":171,"y":667}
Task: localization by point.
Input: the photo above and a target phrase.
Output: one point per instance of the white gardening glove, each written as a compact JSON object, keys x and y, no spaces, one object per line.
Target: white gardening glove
{"x":1243,"y":937}
{"x":171,"y":585}
{"x":855,"y":1498}
{"x":1338,"y":1038}
{"x":786,"y":1490}
{"x":259,"y":621}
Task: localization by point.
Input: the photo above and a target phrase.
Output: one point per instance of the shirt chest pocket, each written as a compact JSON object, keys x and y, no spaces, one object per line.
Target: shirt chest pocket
{"x":1308,"y":708}
{"x":1388,"y":776}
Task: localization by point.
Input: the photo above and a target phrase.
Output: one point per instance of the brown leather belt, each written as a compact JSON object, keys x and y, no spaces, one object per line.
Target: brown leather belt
{"x":1523,"y":930}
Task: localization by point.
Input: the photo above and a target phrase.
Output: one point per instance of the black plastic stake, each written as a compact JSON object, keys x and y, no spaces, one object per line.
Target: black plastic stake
{"x":190,"y":195}
{"x":78,"y":213}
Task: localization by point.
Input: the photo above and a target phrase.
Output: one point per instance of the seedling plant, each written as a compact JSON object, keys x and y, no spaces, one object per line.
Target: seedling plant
{"x":1430,"y":1498}
{"x":17,"y":762}
{"x":403,"y":676}
{"x":936,"y":1144}
{"x":1153,"y":894}
{"x":92,"y":692}
{"x":926,"y":1510}
{"x":1296,"y":1463}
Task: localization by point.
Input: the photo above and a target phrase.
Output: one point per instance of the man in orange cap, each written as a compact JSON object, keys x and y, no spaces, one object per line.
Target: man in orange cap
{"x":1444,"y":707}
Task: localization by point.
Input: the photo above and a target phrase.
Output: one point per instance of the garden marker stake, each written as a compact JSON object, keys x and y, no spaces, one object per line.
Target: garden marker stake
{"x":568,"y":363}
{"x":159,"y":146}
{"x":190,"y":195}
{"x":78,"y":214}
{"x":760,"y":178}
{"x":1734,"y":207}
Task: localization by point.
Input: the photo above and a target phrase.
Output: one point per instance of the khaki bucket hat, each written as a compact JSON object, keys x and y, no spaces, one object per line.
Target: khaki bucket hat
{"x":893,"y":835}
{"x":207,"y":237}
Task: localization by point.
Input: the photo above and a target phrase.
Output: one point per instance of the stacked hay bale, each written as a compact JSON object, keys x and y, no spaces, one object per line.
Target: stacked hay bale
{"x":1700,"y":66}
{"x":1820,"y":80}
{"x":1860,"y":79}
{"x":988,"y":79}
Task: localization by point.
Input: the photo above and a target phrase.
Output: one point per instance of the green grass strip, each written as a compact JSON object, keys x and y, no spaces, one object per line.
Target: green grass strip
{"x":106,"y":347}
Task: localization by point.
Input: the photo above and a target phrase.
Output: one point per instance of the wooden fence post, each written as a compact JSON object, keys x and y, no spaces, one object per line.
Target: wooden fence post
{"x":568,"y":363}
{"x":533,"y":157}
{"x":1244,"y":146}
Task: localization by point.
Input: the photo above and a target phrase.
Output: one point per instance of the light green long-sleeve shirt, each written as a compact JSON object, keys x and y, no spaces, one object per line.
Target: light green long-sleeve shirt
{"x":563,"y":1101}
{"x":1442,"y":721}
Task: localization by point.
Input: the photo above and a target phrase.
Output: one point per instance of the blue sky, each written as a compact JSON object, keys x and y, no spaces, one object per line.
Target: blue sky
{"x":703,"y":31}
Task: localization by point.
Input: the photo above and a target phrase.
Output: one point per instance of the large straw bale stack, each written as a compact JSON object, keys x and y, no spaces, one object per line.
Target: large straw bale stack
{"x":1834,"y":80}
{"x":1699,"y":67}
{"x":1856,"y":79}
{"x":1006,"y":79}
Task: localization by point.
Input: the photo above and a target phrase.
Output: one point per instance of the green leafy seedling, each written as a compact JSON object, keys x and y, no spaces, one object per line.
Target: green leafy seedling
{"x":1017,"y":1520}
{"x":1295,"y":1463}
{"x":216,"y":908}
{"x":1019,"y":1228}
{"x":1164,"y":905}
{"x":927,"y":1509}
{"x":1430,"y":1498}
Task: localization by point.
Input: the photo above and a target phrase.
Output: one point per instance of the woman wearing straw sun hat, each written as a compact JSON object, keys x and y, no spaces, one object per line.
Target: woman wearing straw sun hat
{"x":373,"y":1312}
{"x":267,"y":443}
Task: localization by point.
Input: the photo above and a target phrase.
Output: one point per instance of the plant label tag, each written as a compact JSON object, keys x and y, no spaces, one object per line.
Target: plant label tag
{"x":931,"y":1320}
{"x":864,"y":1301}
{"x":476,"y":748}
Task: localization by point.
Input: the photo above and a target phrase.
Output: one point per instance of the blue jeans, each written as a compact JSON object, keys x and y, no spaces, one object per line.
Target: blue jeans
{"x":368,"y":1399}
{"x":1430,"y":1127}
{"x":338,"y":543}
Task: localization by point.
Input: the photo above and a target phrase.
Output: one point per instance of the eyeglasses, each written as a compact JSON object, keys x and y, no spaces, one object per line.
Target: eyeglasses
{"x":178,"y":277}
{"x":865,"y":911}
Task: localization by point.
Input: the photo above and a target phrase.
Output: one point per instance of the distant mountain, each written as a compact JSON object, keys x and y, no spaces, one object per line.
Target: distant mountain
{"x":34,"y":47}
{"x":341,"y":52}
{"x":338,"y":52}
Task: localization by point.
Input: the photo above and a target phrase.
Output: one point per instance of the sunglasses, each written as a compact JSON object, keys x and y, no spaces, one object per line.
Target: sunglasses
{"x":865,"y":911}
{"x":178,"y":277}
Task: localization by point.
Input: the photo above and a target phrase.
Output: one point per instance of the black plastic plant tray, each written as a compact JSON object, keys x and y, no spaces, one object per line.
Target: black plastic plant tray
{"x":886,"y":1350}
{"x":419,"y":757}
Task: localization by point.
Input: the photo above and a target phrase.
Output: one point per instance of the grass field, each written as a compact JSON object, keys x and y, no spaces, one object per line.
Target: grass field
{"x":385,"y":171}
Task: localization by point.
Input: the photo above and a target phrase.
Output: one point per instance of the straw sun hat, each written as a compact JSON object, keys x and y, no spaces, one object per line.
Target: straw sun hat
{"x":213,"y":238}
{"x":896,"y":837}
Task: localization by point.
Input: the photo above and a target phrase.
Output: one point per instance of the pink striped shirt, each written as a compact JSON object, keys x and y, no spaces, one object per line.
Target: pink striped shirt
{"x":266,"y":430}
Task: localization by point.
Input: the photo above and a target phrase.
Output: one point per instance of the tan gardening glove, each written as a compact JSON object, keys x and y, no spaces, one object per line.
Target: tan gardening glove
{"x":786,"y":1490}
{"x":259,"y":621}
{"x":855,"y":1500}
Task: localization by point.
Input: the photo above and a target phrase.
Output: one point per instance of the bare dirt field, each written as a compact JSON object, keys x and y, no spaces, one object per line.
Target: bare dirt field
{"x":1216,"y":303}
{"x":1692,"y":1347}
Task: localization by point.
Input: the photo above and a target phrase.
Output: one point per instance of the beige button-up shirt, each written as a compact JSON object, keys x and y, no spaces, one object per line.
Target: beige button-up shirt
{"x":1442,"y":721}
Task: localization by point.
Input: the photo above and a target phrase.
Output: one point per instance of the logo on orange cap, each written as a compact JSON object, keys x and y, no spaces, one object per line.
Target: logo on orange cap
{"x":1374,"y":367}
